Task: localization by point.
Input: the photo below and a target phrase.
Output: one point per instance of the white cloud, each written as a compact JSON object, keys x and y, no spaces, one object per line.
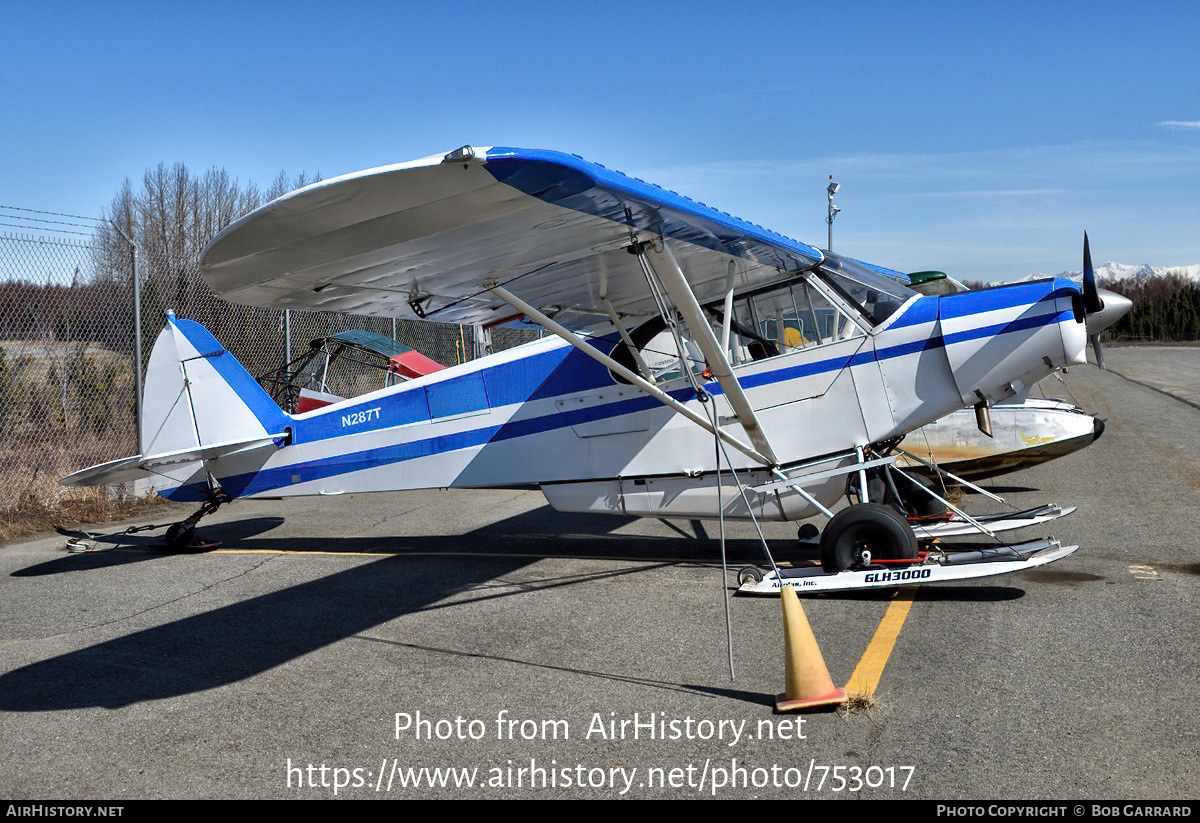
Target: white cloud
{"x":1180,"y":125}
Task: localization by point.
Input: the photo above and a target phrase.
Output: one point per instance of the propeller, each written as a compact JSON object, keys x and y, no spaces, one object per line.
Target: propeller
{"x":1103,"y":307}
{"x":1092,"y":302}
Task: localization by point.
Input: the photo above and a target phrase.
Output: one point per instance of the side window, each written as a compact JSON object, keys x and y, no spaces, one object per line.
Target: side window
{"x":786,"y":318}
{"x":877,"y":293}
{"x":661,"y":356}
{"x":795,"y":317}
{"x":657,"y":350}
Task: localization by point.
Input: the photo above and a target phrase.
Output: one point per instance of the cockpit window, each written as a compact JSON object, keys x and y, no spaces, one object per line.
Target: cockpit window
{"x":790,"y":317}
{"x":840,"y":300}
{"x":658,"y":357}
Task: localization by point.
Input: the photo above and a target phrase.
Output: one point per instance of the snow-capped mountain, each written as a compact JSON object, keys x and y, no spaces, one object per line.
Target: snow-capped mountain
{"x":1111,"y":271}
{"x":1120,"y":271}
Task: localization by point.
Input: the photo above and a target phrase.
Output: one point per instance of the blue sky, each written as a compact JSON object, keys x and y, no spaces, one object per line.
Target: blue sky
{"x":981,"y":139}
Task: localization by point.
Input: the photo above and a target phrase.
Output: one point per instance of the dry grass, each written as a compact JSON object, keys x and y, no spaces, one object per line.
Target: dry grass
{"x":858,"y":704}
{"x":953,"y":492}
{"x":32,"y":512}
{"x":31,"y":464}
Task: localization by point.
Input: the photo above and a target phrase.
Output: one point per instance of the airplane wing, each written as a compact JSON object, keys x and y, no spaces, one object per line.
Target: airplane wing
{"x":428,"y":238}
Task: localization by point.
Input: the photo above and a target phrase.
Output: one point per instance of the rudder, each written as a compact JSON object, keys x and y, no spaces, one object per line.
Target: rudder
{"x":198,"y":394}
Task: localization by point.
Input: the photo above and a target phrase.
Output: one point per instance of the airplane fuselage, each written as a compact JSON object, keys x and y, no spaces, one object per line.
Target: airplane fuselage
{"x":546,"y":414}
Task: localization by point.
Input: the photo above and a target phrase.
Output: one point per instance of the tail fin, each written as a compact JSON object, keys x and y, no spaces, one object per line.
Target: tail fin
{"x":199,"y":404}
{"x":197,"y":394}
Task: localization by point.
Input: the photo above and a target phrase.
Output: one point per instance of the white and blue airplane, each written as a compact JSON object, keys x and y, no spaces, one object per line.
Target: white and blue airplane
{"x":697,"y":365}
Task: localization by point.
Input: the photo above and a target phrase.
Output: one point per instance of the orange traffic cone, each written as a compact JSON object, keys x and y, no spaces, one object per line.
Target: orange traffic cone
{"x":807,"y":681}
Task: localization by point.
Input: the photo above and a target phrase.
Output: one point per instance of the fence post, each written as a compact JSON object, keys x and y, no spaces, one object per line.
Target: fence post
{"x":137,"y":335}
{"x":137,"y":341}
{"x":482,"y":340}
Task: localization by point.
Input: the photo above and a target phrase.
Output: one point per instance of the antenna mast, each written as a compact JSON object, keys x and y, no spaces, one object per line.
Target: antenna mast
{"x":833,"y":210}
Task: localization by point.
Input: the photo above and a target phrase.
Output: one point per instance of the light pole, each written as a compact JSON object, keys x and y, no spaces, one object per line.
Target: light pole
{"x":833,"y":210}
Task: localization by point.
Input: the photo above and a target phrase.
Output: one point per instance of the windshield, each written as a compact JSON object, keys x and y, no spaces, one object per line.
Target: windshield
{"x":875,"y":295}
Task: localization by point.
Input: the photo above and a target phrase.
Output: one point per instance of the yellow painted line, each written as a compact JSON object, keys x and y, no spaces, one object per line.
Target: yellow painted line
{"x":1144,"y":573}
{"x":870,"y":668}
{"x":528,"y":556}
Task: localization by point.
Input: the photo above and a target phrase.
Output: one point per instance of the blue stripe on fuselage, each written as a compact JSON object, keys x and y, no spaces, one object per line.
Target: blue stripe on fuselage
{"x":563,"y":371}
{"x":1005,"y":297}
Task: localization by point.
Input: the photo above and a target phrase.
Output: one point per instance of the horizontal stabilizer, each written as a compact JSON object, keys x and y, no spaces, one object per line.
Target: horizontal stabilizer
{"x":125,"y":470}
{"x":128,"y":469}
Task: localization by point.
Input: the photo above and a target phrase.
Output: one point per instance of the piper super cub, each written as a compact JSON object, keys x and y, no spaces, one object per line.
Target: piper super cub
{"x":677,"y":332}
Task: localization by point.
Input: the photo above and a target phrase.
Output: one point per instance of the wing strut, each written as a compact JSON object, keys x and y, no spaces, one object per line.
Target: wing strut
{"x":654,"y":391}
{"x":672,"y":279}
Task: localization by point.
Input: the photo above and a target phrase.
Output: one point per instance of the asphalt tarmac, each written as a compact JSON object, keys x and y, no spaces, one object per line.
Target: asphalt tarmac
{"x":372,"y":645}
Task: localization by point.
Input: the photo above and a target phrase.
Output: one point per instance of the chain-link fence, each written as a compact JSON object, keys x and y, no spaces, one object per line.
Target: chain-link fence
{"x":67,"y":347}
{"x":66,"y":380}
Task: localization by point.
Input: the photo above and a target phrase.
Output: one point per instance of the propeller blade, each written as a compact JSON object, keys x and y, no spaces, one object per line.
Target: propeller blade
{"x":1099,"y":317}
{"x":1095,"y":341}
{"x":1091,"y":297}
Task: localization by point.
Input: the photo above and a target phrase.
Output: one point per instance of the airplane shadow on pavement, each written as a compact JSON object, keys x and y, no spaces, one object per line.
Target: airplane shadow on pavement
{"x":413,"y":573}
{"x":242,"y":639}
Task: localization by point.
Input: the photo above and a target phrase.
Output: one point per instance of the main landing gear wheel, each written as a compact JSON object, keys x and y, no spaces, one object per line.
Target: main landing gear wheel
{"x":863,"y":531}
